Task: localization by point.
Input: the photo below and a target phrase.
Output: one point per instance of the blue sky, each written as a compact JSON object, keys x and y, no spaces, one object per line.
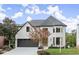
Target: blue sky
{"x":20,"y":13}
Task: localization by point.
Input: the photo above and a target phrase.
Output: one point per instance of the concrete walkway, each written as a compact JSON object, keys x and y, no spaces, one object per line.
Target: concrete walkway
{"x":22,"y":51}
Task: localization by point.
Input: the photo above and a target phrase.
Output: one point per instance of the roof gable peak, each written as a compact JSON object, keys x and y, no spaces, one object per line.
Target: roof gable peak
{"x":51,"y":17}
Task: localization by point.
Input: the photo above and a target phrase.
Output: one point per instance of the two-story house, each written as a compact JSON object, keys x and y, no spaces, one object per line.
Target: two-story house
{"x":54,"y":27}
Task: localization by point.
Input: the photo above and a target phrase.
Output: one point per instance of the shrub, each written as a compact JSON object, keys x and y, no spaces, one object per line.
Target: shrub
{"x":40,"y":47}
{"x":1,"y":51}
{"x":43,"y":52}
{"x":6,"y":48}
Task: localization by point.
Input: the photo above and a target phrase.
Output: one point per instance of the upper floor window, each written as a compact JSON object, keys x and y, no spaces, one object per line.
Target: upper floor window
{"x":53,"y":30}
{"x":57,"y":29}
{"x":27,"y":29}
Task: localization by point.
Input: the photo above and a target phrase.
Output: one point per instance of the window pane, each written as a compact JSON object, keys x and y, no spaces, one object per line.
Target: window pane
{"x":27,"y":29}
{"x":53,"y":30}
{"x":57,"y":29}
{"x":58,"y":40}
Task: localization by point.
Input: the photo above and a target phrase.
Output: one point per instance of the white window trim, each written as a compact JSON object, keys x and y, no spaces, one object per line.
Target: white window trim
{"x":61,"y":38}
{"x":61,"y":29}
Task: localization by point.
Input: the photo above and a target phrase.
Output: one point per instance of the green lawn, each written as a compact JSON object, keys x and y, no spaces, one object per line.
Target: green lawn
{"x":66,"y":51}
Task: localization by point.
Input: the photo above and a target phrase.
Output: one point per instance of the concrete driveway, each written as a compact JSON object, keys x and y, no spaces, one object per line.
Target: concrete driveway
{"x":22,"y":51}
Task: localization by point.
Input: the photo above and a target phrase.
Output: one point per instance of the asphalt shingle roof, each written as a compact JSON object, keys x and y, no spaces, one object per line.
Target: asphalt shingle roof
{"x":50,"y":21}
{"x":36,"y":22}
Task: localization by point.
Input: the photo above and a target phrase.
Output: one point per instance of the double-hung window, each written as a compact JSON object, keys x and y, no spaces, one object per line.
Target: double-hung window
{"x":57,"y":29}
{"x":27,"y":29}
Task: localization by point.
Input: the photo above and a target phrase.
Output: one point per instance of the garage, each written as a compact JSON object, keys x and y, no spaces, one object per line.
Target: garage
{"x":26,"y":43}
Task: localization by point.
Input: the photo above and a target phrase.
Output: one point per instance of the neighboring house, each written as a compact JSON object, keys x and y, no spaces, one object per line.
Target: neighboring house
{"x":54,"y":26}
{"x":77,"y":34}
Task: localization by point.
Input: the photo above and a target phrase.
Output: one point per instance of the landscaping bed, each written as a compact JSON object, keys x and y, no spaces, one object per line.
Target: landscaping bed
{"x":5,"y":49}
{"x":64,"y":51}
{"x":42,"y":52}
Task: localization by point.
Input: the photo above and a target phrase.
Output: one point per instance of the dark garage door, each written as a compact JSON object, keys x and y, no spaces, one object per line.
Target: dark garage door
{"x":26,"y":43}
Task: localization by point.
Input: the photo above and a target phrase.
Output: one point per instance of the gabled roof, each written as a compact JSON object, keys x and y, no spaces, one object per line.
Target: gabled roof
{"x":50,"y":21}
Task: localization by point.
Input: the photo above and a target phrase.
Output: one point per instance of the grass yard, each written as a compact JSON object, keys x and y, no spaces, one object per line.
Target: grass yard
{"x":64,"y":51}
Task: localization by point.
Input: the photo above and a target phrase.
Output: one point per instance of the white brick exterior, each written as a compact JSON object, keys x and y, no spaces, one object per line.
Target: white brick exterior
{"x":22,"y":34}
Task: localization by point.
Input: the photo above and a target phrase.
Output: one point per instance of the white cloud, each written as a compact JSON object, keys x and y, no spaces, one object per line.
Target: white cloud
{"x":29,"y":11}
{"x":34,"y":10}
{"x":77,"y":17}
{"x":29,"y":18}
{"x":59,"y":16}
{"x":53,"y":9}
{"x":24,"y":5}
{"x":9,"y":8}
{"x":16,"y":15}
{"x":71,"y":24}
{"x":2,"y":16}
{"x":2,"y":13}
{"x":1,"y":9}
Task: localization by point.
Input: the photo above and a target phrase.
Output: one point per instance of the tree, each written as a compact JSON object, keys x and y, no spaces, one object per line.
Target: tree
{"x":10,"y":30}
{"x":1,"y":29}
{"x":40,"y":36}
{"x":71,"y":39}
